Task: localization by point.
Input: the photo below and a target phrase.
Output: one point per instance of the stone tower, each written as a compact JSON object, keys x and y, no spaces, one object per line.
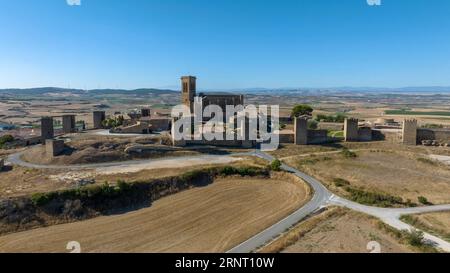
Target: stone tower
{"x":188,"y":89}
{"x":68,"y":122}
{"x":47,"y":131}
{"x":301,"y":131}
{"x":351,"y":129}
{"x":145,"y":112}
{"x":409,"y":132}
{"x":98,"y":118}
{"x":54,"y":147}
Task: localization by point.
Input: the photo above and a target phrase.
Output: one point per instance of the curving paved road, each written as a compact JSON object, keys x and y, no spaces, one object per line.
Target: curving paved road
{"x":322,"y":197}
{"x":392,"y":217}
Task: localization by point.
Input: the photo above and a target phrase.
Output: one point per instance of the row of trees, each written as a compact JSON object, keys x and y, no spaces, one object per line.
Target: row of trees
{"x":301,"y":110}
{"x":339,"y":118}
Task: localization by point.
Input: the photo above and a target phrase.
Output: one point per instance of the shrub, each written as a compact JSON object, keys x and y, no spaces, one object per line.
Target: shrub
{"x":123,"y":186}
{"x":373,"y":198}
{"x":394,"y":232}
{"x":348,"y":154}
{"x":423,"y":200}
{"x":433,"y":126}
{"x":192,"y":175}
{"x":275,"y":165}
{"x":41,"y":199}
{"x":339,"y":182}
{"x":242,"y":171}
{"x":414,"y":238}
{"x":107,"y":190}
{"x":310,"y":161}
{"x":426,"y":161}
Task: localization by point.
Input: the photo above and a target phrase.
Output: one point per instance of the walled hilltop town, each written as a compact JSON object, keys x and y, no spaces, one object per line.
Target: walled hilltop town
{"x":67,"y":171}
{"x":242,"y":129}
{"x":406,"y":132}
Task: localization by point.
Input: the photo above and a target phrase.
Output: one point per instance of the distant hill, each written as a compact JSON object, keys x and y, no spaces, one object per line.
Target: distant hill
{"x":140,"y":91}
{"x":346,"y":89}
{"x":61,"y":92}
{"x":39,"y":91}
{"x":56,"y":90}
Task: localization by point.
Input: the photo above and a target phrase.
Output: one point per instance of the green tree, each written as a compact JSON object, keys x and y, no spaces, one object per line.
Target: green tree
{"x":301,"y":110}
{"x":312,"y":124}
{"x":6,"y":138}
{"x":119,"y":121}
{"x":340,"y":118}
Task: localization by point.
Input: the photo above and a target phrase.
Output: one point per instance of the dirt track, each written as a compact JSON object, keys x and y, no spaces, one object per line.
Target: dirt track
{"x":210,"y":219}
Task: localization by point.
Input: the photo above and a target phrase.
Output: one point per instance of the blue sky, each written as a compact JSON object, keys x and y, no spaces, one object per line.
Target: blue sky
{"x":225,"y":43}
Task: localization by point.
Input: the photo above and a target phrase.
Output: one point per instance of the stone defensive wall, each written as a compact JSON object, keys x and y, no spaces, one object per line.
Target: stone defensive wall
{"x":440,"y":135}
{"x":313,"y":137}
{"x":389,"y":135}
{"x":318,"y":137}
{"x":365,"y":134}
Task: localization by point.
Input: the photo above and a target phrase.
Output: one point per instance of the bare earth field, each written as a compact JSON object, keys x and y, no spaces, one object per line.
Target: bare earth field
{"x":209,"y":219}
{"x":435,"y":223}
{"x":336,"y":231}
{"x":401,"y":174}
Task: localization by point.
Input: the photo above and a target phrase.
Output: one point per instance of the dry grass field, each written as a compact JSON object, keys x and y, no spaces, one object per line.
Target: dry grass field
{"x":291,"y":150}
{"x":102,"y":149}
{"x":19,"y":181}
{"x":437,"y":223}
{"x":401,"y":173}
{"x":208,"y":219}
{"x":337,"y":230}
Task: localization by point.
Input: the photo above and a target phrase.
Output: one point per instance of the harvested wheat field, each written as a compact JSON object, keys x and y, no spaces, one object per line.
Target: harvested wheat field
{"x":214,"y":218}
{"x":404,"y":174}
{"x":337,"y":230}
